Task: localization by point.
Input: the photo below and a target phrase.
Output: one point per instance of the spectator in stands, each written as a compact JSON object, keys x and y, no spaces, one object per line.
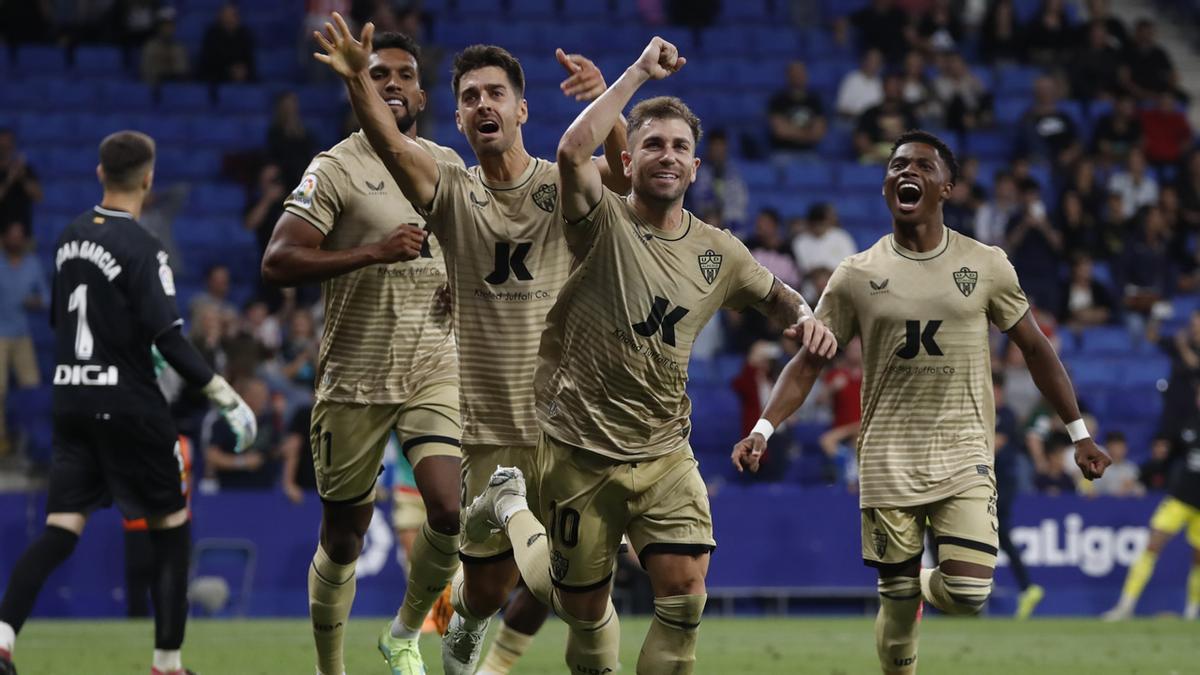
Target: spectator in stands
{"x":824,"y":244}
{"x":916,"y":90}
{"x":1001,"y":40}
{"x":23,"y":289}
{"x":19,"y":185}
{"x":941,"y":28}
{"x":216,"y":293}
{"x":880,"y":125}
{"x":1168,"y":132}
{"x":861,"y":88}
{"x":1055,"y":480}
{"x":991,"y":223}
{"x":265,"y":327}
{"x":299,"y":475}
{"x":1098,"y":12}
{"x":1080,"y":230}
{"x":770,"y":247}
{"x":1118,"y":132}
{"x":1147,"y":67}
{"x":1183,"y":348}
{"x":1048,"y":34}
{"x":1184,"y":256}
{"x":256,"y":467}
{"x":1136,"y":186}
{"x":1045,"y":133}
{"x":264,"y":205}
{"x":1154,"y":473}
{"x":1144,"y":269}
{"x":1087,"y":302}
{"x":1082,"y":182}
{"x":1114,"y":226}
{"x":753,"y":386}
{"x":967,"y":103}
{"x":1096,"y":64}
{"x":1035,"y":247}
{"x":1189,"y":190}
{"x":843,"y":384}
{"x":719,"y":186}
{"x":164,"y":56}
{"x":1121,"y":478}
{"x":289,"y":143}
{"x":299,"y":350}
{"x":228,"y":51}
{"x":796,"y":115}
{"x":884,"y":27}
{"x":959,"y":212}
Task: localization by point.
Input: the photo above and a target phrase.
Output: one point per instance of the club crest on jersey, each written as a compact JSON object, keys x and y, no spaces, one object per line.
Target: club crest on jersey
{"x":302,"y":196}
{"x":558,"y":565}
{"x":710,"y":265}
{"x":880,"y":540}
{"x":966,"y":280}
{"x":546,"y":197}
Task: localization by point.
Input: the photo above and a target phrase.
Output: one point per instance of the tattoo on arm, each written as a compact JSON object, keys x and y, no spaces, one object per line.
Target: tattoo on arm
{"x":783,"y":304}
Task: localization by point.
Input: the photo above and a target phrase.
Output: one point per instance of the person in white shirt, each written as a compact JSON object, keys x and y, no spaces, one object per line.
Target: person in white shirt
{"x":991,"y":223}
{"x":1135,"y":187}
{"x":863,"y":88}
{"x":824,"y":243}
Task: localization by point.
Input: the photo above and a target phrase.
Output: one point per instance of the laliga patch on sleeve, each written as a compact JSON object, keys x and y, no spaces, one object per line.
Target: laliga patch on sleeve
{"x":167,"y":278}
{"x":302,"y":196}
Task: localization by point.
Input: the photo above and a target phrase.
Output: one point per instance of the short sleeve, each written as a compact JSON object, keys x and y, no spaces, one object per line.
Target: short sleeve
{"x":835,"y":309}
{"x":151,"y":290}
{"x":318,"y":197}
{"x":750,"y":282}
{"x":581,"y":234}
{"x":452,"y":181}
{"x":1007,"y":303}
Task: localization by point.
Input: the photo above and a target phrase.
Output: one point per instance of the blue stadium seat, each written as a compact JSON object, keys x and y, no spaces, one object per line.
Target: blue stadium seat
{"x":216,"y":130}
{"x":1105,"y":341}
{"x":41,"y":60}
{"x":587,"y":9}
{"x":244,"y":98}
{"x":275,"y":65}
{"x":126,"y":96}
{"x":73,"y":161}
{"x":1185,"y":304}
{"x":759,"y":175}
{"x":779,"y":43}
{"x":217,"y":199}
{"x":1016,"y":80}
{"x":188,"y":163}
{"x":1010,"y":109}
{"x":185,"y":97}
{"x":989,"y":145}
{"x":754,"y":74}
{"x":809,"y":175}
{"x":1146,"y":370}
{"x":40,"y":128}
{"x":855,"y":176}
{"x":747,"y":11}
{"x":96,"y":60}
{"x":1094,"y":372}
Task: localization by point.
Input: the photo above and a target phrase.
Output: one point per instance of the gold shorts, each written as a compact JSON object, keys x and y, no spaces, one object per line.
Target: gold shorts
{"x":348,"y":439}
{"x":478,"y":464}
{"x":964,"y":528}
{"x":1172,"y":515}
{"x":588,"y":501}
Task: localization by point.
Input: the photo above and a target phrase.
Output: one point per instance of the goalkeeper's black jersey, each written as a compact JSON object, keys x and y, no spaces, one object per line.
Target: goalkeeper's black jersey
{"x":1184,"y":481}
{"x":113,"y":295}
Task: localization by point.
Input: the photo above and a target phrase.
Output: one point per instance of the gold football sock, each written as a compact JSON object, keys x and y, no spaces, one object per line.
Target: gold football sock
{"x":330,"y":594}
{"x":531,"y":550}
{"x":670,"y":644}
{"x":505,"y":651}
{"x":592,"y":646}
{"x":1193,"y":585}
{"x":896,"y":627}
{"x":1139,"y":574}
{"x":434,"y":562}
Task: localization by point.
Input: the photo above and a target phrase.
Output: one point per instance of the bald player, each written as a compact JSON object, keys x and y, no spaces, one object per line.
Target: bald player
{"x":499,"y":225}
{"x":614,"y":457}
{"x":387,"y":360}
{"x":922,"y":299}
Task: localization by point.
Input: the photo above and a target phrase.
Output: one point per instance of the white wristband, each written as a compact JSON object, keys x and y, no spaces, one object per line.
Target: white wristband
{"x":1078,"y":431}
{"x":763,"y":427}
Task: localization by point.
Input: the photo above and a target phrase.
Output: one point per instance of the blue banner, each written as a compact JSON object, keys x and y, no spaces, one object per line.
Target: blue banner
{"x":768,"y":537}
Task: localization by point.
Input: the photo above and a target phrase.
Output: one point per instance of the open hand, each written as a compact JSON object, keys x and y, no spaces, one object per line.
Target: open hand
{"x":659,"y":59}
{"x":814,"y":335}
{"x":345,"y":55}
{"x":1091,"y":460}
{"x":748,"y":453}
{"x":584,"y":80}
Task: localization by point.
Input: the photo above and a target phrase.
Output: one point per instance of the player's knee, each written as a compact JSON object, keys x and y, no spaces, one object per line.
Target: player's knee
{"x":581,"y":608}
{"x":681,"y":612}
{"x":342,"y":545}
{"x":442,"y":515}
{"x":967,"y":595}
{"x":482,"y":596}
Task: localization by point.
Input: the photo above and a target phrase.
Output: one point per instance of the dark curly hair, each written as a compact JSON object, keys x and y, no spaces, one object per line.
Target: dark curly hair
{"x":920,"y":136}
{"x":482,"y":56}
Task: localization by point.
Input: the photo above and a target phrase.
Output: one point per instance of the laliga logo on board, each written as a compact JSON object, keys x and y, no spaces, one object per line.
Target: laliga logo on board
{"x":376,"y":547}
{"x":1094,"y":550}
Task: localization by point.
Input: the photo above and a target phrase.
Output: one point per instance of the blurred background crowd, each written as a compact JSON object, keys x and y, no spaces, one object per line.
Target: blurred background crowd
{"x":1073,"y":122}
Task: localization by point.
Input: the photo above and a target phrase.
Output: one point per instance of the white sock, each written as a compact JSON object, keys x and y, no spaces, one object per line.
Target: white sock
{"x":168,"y":660}
{"x":1192,"y":612}
{"x":507,"y":505}
{"x":8,"y":637}
{"x":399,"y":630}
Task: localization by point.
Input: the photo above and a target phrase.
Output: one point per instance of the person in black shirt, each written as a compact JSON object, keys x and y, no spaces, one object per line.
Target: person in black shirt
{"x":1179,"y":510}
{"x":114,"y":438}
{"x":256,"y":467}
{"x":795,"y":113}
{"x":19,"y":186}
{"x":228,"y":51}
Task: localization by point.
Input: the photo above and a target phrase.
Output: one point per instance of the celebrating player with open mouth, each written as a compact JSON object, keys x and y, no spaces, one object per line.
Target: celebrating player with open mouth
{"x":921,"y":299}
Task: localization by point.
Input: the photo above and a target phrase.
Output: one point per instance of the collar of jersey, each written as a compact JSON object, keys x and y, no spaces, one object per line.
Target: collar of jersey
{"x":525,"y":177}
{"x":112,"y":213}
{"x":927,"y":255}
{"x":658,"y":232}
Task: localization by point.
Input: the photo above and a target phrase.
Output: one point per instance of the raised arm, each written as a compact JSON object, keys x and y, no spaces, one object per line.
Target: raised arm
{"x":1052,"y":380}
{"x":794,"y":385}
{"x":787,"y":306}
{"x":585,"y":82}
{"x":414,"y":169}
{"x":581,"y":179}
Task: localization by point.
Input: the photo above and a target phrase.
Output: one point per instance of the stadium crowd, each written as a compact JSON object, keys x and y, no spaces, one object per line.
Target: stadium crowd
{"x":1085,"y":171}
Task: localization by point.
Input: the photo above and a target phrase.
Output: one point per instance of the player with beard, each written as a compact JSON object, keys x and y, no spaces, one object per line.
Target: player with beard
{"x":387,"y":360}
{"x":613,"y":457}
{"x":922,"y":299}
{"x":499,"y":226}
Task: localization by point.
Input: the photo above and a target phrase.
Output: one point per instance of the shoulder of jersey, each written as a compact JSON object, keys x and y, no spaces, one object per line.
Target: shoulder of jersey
{"x":442,"y":152}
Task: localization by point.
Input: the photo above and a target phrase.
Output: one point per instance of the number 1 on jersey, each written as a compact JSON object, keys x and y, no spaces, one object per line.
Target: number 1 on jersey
{"x":77,"y":302}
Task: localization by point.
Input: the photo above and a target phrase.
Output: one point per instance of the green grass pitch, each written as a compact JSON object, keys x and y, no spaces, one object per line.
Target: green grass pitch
{"x":821,"y":646}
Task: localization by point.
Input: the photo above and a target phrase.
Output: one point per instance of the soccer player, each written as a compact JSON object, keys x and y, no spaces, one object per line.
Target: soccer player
{"x":1179,"y":510}
{"x":613,"y":457}
{"x":114,"y":438}
{"x":921,"y":300}
{"x":499,"y":226}
{"x":387,"y":360}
